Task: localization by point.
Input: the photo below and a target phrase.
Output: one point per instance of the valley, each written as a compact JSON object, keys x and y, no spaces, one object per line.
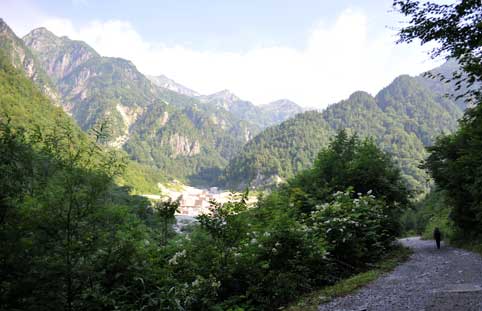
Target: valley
{"x":123,"y":189}
{"x":220,"y":140}
{"x":195,"y":201}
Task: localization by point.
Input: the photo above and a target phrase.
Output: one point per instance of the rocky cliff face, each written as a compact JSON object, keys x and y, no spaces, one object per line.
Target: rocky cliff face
{"x":182,"y":145}
{"x":165,"y":82}
{"x":22,"y":58}
{"x":155,"y":125}
{"x":59,"y":56}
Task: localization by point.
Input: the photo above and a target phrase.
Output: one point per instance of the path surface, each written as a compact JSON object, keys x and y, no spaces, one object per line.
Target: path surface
{"x":442,"y":280}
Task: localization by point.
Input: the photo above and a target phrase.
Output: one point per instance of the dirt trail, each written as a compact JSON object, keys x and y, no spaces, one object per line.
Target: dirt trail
{"x":442,"y":280}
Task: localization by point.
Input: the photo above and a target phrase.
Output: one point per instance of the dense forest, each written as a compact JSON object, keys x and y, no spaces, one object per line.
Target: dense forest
{"x":199,"y":139}
{"x":403,"y":118}
{"x":74,"y":235}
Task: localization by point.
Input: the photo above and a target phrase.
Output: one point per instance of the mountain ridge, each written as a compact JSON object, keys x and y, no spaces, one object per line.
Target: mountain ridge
{"x":403,"y":118}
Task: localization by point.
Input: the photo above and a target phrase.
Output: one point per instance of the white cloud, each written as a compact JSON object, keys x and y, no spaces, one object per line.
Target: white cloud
{"x":337,"y":60}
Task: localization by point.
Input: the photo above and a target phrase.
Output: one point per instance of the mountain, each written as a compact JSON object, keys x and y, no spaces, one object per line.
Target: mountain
{"x":280,"y":110}
{"x":202,"y":137}
{"x":20,"y":56}
{"x":165,"y":82}
{"x":432,"y":80}
{"x":26,"y":102}
{"x":260,"y":116}
{"x":278,"y":152}
{"x":181,"y":135}
{"x":403,"y":118}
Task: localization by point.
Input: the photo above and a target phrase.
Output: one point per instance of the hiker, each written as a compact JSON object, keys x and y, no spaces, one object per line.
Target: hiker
{"x":437,"y":235}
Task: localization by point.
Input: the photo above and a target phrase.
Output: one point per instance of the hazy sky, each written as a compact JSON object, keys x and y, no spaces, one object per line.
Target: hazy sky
{"x":312,"y":52}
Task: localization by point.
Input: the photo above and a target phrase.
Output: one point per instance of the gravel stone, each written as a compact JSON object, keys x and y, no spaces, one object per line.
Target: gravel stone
{"x":448,"y":279}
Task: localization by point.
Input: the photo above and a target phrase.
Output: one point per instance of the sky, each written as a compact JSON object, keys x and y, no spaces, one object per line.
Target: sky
{"x":313,"y":52}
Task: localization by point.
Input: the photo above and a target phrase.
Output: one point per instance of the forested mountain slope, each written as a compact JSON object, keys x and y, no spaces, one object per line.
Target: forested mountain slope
{"x":403,"y":118}
{"x":180,"y":135}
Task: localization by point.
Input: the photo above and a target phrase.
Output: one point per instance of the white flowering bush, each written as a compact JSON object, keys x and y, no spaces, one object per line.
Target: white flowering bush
{"x":356,"y":227}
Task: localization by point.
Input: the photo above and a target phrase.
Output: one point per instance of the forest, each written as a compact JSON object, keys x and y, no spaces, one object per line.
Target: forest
{"x":75,"y":236}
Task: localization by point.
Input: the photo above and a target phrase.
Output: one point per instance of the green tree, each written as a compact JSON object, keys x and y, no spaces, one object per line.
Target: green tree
{"x":455,"y":160}
{"x":165,"y":211}
{"x":456,"y":28}
{"x":350,"y":162}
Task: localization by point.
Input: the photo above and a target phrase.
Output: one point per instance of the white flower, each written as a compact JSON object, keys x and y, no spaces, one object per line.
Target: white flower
{"x":173,"y":260}
{"x":215,"y":284}
{"x":253,"y":241}
{"x":267,"y":234}
{"x":369,"y":192}
{"x":277,"y":244}
{"x":195,"y":283}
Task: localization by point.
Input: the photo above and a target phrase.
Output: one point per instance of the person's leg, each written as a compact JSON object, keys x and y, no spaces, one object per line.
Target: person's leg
{"x":438,"y":244}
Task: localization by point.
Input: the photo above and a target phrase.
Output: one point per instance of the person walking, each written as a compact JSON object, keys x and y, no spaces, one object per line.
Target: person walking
{"x":437,"y":235}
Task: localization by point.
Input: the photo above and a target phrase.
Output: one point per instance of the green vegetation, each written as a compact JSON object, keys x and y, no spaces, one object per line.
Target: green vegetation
{"x":390,"y":261}
{"x":276,"y":152}
{"x":430,"y":212}
{"x":72,"y":239}
{"x":454,"y":160}
{"x":179,"y":135}
{"x":403,"y":118}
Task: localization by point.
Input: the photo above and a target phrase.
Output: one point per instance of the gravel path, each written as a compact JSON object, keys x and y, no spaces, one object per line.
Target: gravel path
{"x":442,"y":280}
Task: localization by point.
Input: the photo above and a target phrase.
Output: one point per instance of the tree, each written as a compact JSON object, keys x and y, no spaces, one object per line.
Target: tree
{"x":455,"y":27}
{"x":165,"y":211}
{"x":455,"y":161}
{"x":349,"y":162}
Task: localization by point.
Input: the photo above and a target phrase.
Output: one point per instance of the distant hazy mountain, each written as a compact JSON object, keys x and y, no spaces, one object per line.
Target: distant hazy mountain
{"x":280,"y":110}
{"x":172,"y":85}
{"x":261,"y":116}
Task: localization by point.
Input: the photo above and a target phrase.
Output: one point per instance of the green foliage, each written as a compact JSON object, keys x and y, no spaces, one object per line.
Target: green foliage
{"x":177,"y":135}
{"x":65,"y":235}
{"x":275,"y":152}
{"x":402,"y":119}
{"x":349,"y":162}
{"x":357,"y":230}
{"x":456,"y":30}
{"x":454,"y":163}
{"x":455,"y":160}
{"x":265,"y":256}
{"x":427,"y":214}
{"x":165,"y":211}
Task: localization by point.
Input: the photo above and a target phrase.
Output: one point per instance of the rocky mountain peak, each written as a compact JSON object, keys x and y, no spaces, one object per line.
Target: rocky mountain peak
{"x":42,"y":32}
{"x":167,"y":83}
{"x":225,"y":95}
{"x":283,"y":104}
{"x":58,"y":55}
{"x":22,"y":58}
{"x":4,"y":27}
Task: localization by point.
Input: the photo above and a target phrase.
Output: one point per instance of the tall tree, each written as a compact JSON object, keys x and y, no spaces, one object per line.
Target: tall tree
{"x":455,"y":161}
{"x":456,"y":28}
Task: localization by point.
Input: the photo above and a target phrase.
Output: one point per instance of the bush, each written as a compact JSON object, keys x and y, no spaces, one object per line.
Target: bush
{"x":357,"y":230}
